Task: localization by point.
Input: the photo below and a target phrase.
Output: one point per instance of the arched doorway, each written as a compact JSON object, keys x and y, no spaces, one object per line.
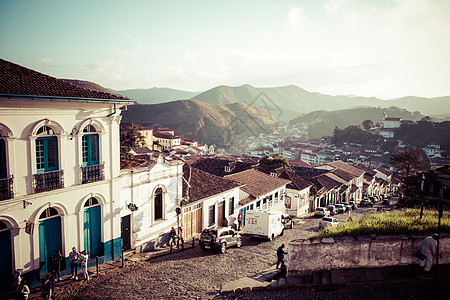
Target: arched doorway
{"x":49,"y":238}
{"x":159,"y":204}
{"x":92,"y":228}
{"x":5,"y":257}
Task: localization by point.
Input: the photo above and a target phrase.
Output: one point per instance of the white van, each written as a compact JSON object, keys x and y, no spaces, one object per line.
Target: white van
{"x":265,"y":224}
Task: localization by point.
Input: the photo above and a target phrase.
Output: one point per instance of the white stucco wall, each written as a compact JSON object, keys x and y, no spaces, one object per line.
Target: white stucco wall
{"x":22,"y":118}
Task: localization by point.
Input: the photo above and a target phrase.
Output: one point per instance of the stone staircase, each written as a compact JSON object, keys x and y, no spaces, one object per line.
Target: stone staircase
{"x":317,"y":278}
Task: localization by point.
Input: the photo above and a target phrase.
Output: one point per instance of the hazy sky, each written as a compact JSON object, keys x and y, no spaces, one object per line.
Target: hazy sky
{"x":382,"y":48}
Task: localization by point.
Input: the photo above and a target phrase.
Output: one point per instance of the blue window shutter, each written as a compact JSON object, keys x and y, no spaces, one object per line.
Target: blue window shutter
{"x":90,"y":150}
{"x":2,"y":159}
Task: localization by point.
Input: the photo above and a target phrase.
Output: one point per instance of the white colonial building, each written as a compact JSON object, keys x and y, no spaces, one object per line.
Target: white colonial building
{"x":149,"y":194}
{"x":60,"y":173}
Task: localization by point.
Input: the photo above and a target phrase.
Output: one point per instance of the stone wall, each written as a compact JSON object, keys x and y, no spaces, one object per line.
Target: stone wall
{"x":307,"y":256}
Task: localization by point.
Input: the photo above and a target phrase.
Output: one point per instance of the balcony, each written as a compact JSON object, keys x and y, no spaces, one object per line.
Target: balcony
{"x":92,"y":173}
{"x":6,"y":188}
{"x":48,"y":181}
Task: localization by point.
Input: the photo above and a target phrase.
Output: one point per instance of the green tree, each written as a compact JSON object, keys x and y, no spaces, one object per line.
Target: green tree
{"x":133,"y":139}
{"x":367,"y":124}
{"x":408,"y":162}
{"x":276,"y":161}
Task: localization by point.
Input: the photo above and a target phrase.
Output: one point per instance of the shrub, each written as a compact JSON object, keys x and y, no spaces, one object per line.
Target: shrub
{"x":394,"y":222}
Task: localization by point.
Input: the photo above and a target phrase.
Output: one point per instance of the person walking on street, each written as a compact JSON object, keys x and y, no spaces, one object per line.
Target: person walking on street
{"x":180,"y":238}
{"x":173,"y":235}
{"x":74,"y":256}
{"x":429,"y":245}
{"x":84,"y":259}
{"x":23,"y":290}
{"x":56,"y":262}
{"x":280,"y":255}
{"x":47,"y":288}
{"x":239,"y":221}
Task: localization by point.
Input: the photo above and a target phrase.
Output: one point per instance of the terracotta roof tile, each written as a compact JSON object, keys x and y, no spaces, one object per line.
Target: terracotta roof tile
{"x":257,"y":183}
{"x":18,"y":80}
{"x":203,"y":184}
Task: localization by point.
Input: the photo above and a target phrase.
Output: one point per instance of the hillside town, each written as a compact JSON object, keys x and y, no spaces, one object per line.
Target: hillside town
{"x":69,"y":180}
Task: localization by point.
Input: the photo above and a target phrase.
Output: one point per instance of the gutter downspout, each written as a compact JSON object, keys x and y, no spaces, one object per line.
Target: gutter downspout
{"x":115,"y":110}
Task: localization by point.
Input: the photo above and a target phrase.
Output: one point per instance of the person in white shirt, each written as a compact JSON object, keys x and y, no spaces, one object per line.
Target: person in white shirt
{"x":429,"y":245}
{"x":84,"y":260}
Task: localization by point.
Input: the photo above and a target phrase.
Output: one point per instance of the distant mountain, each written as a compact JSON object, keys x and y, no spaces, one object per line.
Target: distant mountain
{"x":156,"y":95}
{"x":207,"y":123}
{"x":90,"y":85}
{"x":322,"y":123}
{"x":290,"y":101}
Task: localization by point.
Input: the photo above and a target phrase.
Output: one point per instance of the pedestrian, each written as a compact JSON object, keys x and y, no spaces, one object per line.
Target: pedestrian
{"x":239,"y":221}
{"x":180,"y":238}
{"x":173,"y":235}
{"x":56,"y":261}
{"x":23,"y":290}
{"x":429,"y":245}
{"x":17,"y":278}
{"x":47,"y":288}
{"x":74,"y":256}
{"x":280,"y":255}
{"x":84,"y":259}
{"x":224,"y":222}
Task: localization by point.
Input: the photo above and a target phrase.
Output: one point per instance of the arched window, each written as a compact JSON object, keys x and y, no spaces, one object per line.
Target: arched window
{"x":3,"y":173}
{"x":48,"y":213}
{"x":158,"y":204}
{"x":90,"y":146}
{"x":46,"y":150}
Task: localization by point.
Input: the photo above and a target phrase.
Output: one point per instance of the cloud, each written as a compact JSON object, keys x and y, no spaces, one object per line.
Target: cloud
{"x":333,"y":6}
{"x":129,"y":46}
{"x":296,"y":20}
{"x":109,"y":69}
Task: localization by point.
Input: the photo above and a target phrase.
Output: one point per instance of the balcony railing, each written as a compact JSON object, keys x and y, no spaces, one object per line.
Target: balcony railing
{"x":92,"y":173}
{"x":6,"y":188}
{"x":48,"y":181}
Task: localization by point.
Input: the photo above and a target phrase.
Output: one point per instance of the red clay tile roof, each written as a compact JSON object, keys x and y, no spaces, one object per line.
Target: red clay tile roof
{"x":298,"y":182}
{"x":203,"y":184}
{"x":299,"y":163}
{"x":128,"y":163}
{"x":20,"y":81}
{"x":346,"y":167}
{"x":365,"y":169}
{"x":257,"y":183}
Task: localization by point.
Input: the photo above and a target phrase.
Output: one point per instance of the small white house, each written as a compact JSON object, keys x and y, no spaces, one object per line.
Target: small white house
{"x":149,"y":194}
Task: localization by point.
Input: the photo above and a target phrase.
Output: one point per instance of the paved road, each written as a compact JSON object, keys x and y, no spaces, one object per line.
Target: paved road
{"x":194,"y":273}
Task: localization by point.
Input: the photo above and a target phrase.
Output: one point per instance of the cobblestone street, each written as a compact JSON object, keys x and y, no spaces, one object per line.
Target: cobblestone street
{"x":194,"y":273}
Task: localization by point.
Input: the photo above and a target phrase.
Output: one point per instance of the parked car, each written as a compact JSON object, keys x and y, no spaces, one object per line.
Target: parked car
{"x":287,"y":220}
{"x":365,"y":203}
{"x":372,"y":199}
{"x":347,"y":206}
{"x":340,"y":208}
{"x":321,"y":212}
{"x":387,"y":196}
{"x":386,"y":201}
{"x":219,"y":238}
{"x":353,"y":204}
{"x":331,"y":209}
{"x":328,"y":221}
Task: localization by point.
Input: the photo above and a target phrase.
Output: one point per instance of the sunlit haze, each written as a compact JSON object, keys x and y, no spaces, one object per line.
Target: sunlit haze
{"x":382,"y":48}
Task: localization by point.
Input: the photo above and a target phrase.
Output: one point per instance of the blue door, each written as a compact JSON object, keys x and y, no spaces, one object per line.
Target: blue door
{"x":92,"y":231}
{"x":49,"y":242}
{"x":242,"y":211}
{"x":5,"y":257}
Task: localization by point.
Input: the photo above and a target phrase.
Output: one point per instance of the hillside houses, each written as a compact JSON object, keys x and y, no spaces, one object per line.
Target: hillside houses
{"x":63,"y":183}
